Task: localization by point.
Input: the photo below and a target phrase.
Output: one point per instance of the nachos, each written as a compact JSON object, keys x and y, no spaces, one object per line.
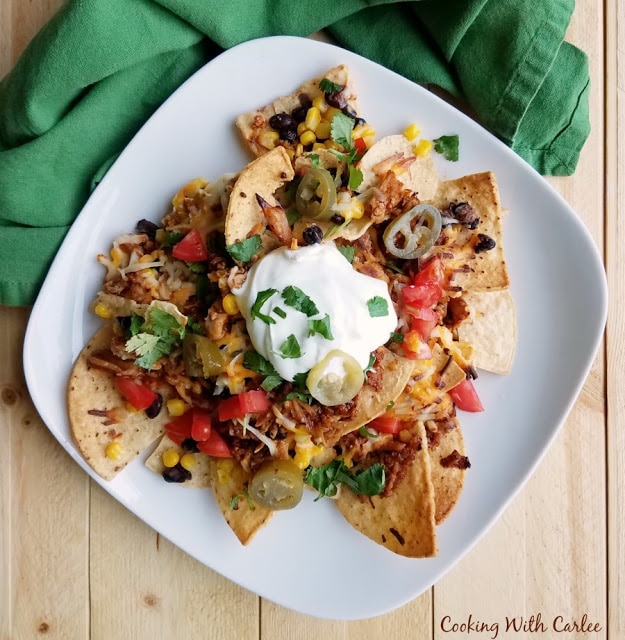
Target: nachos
{"x":314,"y":321}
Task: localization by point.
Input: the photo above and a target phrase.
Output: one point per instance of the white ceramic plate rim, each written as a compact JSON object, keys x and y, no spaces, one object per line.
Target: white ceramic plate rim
{"x":299,"y":557}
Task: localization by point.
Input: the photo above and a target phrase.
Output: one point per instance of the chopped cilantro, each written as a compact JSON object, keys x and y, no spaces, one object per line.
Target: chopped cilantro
{"x":448,"y":146}
{"x":355,"y":177}
{"x":304,"y":397}
{"x":172,"y":238}
{"x":341,"y":130}
{"x":377,"y":306}
{"x":135,"y":324}
{"x":245,"y":250}
{"x":296,"y":298}
{"x":292,"y":216}
{"x":253,"y":361}
{"x":365,"y":433}
{"x":390,"y":405}
{"x":397,"y":337}
{"x":290,"y":348}
{"x":234,"y":503}
{"x":196,"y":267}
{"x":261,"y":298}
{"x":370,"y":363}
{"x":194,"y":326}
{"x":321,"y":326}
{"x":281,"y":313}
{"x":299,"y":379}
{"x":326,"y":479}
{"x":348,"y":251}
{"x":314,"y":158}
{"x":327,"y":86}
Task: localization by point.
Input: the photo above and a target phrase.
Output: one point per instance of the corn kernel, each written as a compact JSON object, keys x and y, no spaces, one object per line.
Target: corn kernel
{"x":170,"y":457}
{"x":188,"y":461}
{"x":175,"y":407}
{"x":116,"y":257}
{"x":301,"y":127}
{"x":102,"y":311}
{"x":318,"y":145}
{"x":405,"y":435}
{"x":330,"y":144}
{"x":188,"y":190}
{"x":363,"y":131}
{"x":412,"y":131}
{"x":268,"y":139}
{"x":320,"y":103}
{"x":313,"y":118}
{"x":230,"y":305}
{"x":308,"y":137}
{"x":323,"y":130}
{"x":114,"y":450}
{"x":161,"y":236}
{"x":358,"y":209}
{"x":330,"y":113}
{"x":299,"y":149}
{"x":224,"y":469}
{"x":423,"y":148}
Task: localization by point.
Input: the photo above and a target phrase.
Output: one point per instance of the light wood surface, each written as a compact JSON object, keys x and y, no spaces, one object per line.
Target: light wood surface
{"x":75,"y":565}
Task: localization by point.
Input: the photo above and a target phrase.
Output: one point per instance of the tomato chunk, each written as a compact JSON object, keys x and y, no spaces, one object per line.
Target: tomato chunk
{"x":138,"y":395}
{"x":465,"y":397}
{"x":191,"y":248}
{"x":179,"y":429}
{"x":386,"y":424}
{"x":200,"y":425}
{"x":423,"y":321}
{"x":239,"y":406}
{"x":215,"y":446}
{"x":431,"y":272}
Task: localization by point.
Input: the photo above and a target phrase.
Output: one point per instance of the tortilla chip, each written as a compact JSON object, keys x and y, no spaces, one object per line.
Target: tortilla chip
{"x":447,"y":481}
{"x":487,"y":271}
{"x":491,"y":330}
{"x":228,"y":479}
{"x":92,"y":390}
{"x":421,"y":177}
{"x":449,"y":372}
{"x":371,"y":402}
{"x":403,"y":522}
{"x":262,"y":176}
{"x":253,"y":124}
{"x":200,"y":474}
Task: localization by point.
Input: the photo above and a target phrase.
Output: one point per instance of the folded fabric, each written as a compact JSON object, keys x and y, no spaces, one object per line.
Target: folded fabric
{"x":100,"y":68}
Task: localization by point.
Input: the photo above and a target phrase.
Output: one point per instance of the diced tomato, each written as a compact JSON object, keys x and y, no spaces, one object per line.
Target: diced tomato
{"x":360,"y":146}
{"x":386,"y":424}
{"x":431,"y":272}
{"x":415,"y":348}
{"x":247,"y":402}
{"x":200,"y":425}
{"x":423,"y":295}
{"x":465,"y":397}
{"x":139,"y":396}
{"x":191,"y":248}
{"x":423,"y":321}
{"x":215,"y":446}
{"x":179,"y":429}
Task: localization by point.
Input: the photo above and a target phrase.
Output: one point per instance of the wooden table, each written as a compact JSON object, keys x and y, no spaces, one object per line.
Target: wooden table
{"x":76,"y":565}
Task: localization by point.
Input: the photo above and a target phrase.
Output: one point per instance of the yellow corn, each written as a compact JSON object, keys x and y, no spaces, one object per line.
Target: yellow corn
{"x":363,"y":131}
{"x":114,"y":450}
{"x":188,"y":461}
{"x":116,"y":257}
{"x":230,"y":305}
{"x":299,"y":149}
{"x":160,"y":236}
{"x":405,"y":435}
{"x":411,"y":131}
{"x":323,"y":130}
{"x":318,"y":145}
{"x":357,"y":209}
{"x":313,"y":118}
{"x":423,"y":148}
{"x":224,"y":469}
{"x":170,"y":457}
{"x":308,"y":137}
{"x":102,"y":311}
{"x":188,"y":190}
{"x":268,"y":139}
{"x":301,"y":127}
{"x":320,"y":103}
{"x":330,"y":113}
{"x":175,"y":407}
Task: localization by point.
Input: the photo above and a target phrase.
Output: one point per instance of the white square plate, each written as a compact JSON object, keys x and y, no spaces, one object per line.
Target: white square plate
{"x":310,"y":559}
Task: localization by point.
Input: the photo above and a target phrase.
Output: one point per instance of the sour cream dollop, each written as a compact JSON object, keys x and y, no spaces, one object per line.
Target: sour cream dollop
{"x":354,"y":309}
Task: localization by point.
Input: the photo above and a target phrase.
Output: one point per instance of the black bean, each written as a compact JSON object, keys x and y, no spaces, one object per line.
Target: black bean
{"x":299,"y":113}
{"x":190,"y":445}
{"x":288,"y":134}
{"x":124,"y":322}
{"x":336,"y":99}
{"x":280,"y":121}
{"x":312,"y":234}
{"x":155,"y":408}
{"x":337,"y":218}
{"x":177,"y":474}
{"x":147,"y":227}
{"x":484,"y":243}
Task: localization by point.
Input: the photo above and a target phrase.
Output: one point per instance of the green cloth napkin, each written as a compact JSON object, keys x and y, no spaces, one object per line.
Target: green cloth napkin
{"x":100,"y":68}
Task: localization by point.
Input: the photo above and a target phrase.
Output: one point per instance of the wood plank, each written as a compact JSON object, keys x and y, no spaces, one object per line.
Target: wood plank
{"x":615,"y":259}
{"x":547,"y":554}
{"x":142,"y":586}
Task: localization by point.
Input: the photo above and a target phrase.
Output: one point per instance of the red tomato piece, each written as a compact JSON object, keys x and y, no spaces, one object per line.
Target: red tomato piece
{"x":465,"y":397}
{"x":423,"y":295}
{"x":240,"y":405}
{"x":139,"y":396}
{"x":179,"y":429}
{"x":386,"y":424}
{"x":423,"y":321}
{"x":431,"y":272}
{"x":191,"y":248}
{"x":200,"y":425}
{"x":215,"y":446}
{"x":360,"y":144}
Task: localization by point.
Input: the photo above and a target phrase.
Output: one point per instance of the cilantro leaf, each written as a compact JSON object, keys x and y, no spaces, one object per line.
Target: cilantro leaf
{"x":296,"y":298}
{"x":281,"y":313}
{"x":348,"y":251}
{"x":245,"y":250}
{"x":326,"y":479}
{"x":290,"y":348}
{"x":261,"y":298}
{"x":314,"y":158}
{"x":341,"y":130}
{"x":448,"y":146}
{"x":299,"y":379}
{"x":397,"y":336}
{"x":370,"y":363}
{"x":327,"y":86}
{"x":371,"y":481}
{"x":321,"y":326}
{"x":135,"y":324}
{"x":172,"y":238}
{"x":304,"y":397}
{"x":365,"y":433}
{"x":377,"y":306}
{"x":292,"y":216}
{"x":355,"y":178}
{"x":253,"y":361}
{"x":197,"y":267}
